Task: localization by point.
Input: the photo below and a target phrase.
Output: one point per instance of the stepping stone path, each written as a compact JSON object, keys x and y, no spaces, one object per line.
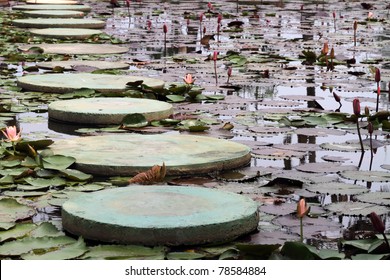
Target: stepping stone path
{"x":107,"y":110}
{"x":129,"y":154}
{"x":148,"y":215}
{"x":160,"y":215}
{"x":63,"y":83}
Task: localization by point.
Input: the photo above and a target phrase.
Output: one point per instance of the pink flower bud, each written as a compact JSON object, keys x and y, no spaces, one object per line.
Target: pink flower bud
{"x":334,"y":15}
{"x":219,"y":19}
{"x":355,"y":25}
{"x":128,"y":3}
{"x":336,"y":97}
{"x":165,"y":28}
{"x":215,"y":55}
{"x":377,"y":75}
{"x":229,"y":71}
{"x":201,"y":17}
{"x":356,"y":107}
{"x":370,"y":128}
{"x":149,"y":24}
{"x":210,"y":6}
{"x":377,"y":222}
{"x":302,"y":208}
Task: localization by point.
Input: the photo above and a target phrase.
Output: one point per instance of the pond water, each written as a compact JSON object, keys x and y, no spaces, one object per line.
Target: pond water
{"x":274,"y":90}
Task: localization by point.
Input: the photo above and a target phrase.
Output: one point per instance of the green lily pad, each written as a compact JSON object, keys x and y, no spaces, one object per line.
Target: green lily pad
{"x":29,"y":188}
{"x":10,"y":163}
{"x":41,"y":182}
{"x":175,"y":98}
{"x":355,"y":208}
{"x":324,"y":167}
{"x":88,"y":188}
{"x":184,"y":256}
{"x":336,"y":188}
{"x":134,"y":120}
{"x":6,"y":180}
{"x":193,"y":125}
{"x":381,"y":198}
{"x":58,"y":162}
{"x":76,"y":175}
{"x":319,"y":132}
{"x":259,"y":251}
{"x":118,"y":252}
{"x":46,"y":229}
{"x":65,"y":252}
{"x":6,"y":225}
{"x":341,"y":147}
{"x":27,"y":244}
{"x":366,"y":176}
{"x":272,"y":153}
{"x":23,"y":193}
{"x":366,"y":257}
{"x":11,"y":211}
{"x":17,"y":231}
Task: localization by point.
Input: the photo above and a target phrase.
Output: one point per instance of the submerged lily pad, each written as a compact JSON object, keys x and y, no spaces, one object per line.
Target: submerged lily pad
{"x":366,"y":176}
{"x":336,"y":188}
{"x":355,"y":208}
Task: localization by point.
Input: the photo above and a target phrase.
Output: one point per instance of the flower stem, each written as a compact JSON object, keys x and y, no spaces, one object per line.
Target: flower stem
{"x":301,"y":224}
{"x":215,"y":71}
{"x":386,"y":240}
{"x":360,"y":136}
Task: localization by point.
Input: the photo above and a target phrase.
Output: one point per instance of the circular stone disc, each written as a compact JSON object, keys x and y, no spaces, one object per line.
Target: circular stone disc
{"x":66,"y":33}
{"x":107,"y":110}
{"x":77,"y":48}
{"x":70,"y":64}
{"x":59,"y":22}
{"x":83,"y":8}
{"x":52,"y":2}
{"x":160,"y":215}
{"x":54,"y":14}
{"x":62,"y":83}
{"x":129,"y":154}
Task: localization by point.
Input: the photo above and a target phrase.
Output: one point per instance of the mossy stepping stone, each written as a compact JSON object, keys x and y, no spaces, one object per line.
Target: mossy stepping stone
{"x":160,"y":215}
{"x":59,"y":23}
{"x":83,"y":8}
{"x":71,"y":64}
{"x":107,"y":110}
{"x":63,"y":83}
{"x":52,"y":2}
{"x":54,"y":14}
{"x":129,"y":154}
{"x":66,"y":33}
{"x":74,"y":48}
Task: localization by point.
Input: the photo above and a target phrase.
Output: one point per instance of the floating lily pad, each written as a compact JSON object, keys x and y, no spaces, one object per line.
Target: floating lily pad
{"x":356,"y":208}
{"x":324,"y":167}
{"x":385,"y":166}
{"x":23,"y":193}
{"x":58,"y":162}
{"x":134,"y":120}
{"x":118,"y":252}
{"x":25,"y":245}
{"x":272,"y":153}
{"x":366,"y":176}
{"x":66,"y":33}
{"x":381,"y":198}
{"x":58,"y":22}
{"x":336,"y":188}
{"x":11,"y":210}
{"x":72,"y":64}
{"x":76,"y":48}
{"x":279,"y":210}
{"x":83,"y":8}
{"x":319,"y":132}
{"x":277,"y":237}
{"x":334,"y":158}
{"x":299,"y":147}
{"x":41,"y":182}
{"x":341,"y":147}
{"x":76,"y":175}
{"x":45,"y":229}
{"x":270,"y":129}
{"x":17,"y":231}
{"x":301,"y":97}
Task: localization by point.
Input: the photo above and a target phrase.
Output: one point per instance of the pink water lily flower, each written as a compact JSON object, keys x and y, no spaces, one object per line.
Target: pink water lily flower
{"x":188,"y":79}
{"x":11,"y":134}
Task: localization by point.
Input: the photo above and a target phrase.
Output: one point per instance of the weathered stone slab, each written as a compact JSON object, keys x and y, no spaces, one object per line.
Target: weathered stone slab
{"x":160,"y":215}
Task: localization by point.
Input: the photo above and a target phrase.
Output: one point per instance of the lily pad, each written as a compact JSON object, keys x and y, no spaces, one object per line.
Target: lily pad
{"x":272,"y":153}
{"x":324,"y":167}
{"x":319,"y":132}
{"x":336,"y":188}
{"x":57,"y":162}
{"x":341,"y":147}
{"x":366,"y":176}
{"x":134,"y":120}
{"x":356,"y":208}
{"x":123,"y":252}
{"x":41,"y":182}
{"x":270,"y":129}
{"x":279,"y":210}
{"x":17,"y":231}
{"x":11,"y":211}
{"x":381,"y":198}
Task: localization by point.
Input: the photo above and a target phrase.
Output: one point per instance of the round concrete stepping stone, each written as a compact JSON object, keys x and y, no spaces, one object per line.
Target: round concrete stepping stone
{"x":54,"y":14}
{"x":52,"y":2}
{"x":63,"y":83}
{"x":107,"y":110}
{"x":129,"y":154}
{"x":66,"y":33}
{"x":83,"y":8}
{"x":59,"y":23}
{"x":70,"y":64}
{"x":160,"y":215}
{"x":73,"y":48}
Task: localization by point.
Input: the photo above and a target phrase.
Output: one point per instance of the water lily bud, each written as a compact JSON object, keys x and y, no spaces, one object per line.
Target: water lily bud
{"x":334,"y":15}
{"x":165,"y":28}
{"x":201,"y":17}
{"x":332,"y":53}
{"x":378,"y":90}
{"x":355,"y":25}
{"x":377,"y":75}
{"x":356,"y":107}
{"x":229,"y":71}
{"x":204,"y":30}
{"x":215,"y":55}
{"x":149,"y":24}
{"x":377,"y":222}
{"x":210,"y":6}
{"x":128,"y":3}
{"x":325,"y":48}
{"x":219,"y":19}
{"x":370,"y":128}
{"x":188,"y":79}
{"x":366,"y":111}
{"x":336,"y":97}
{"x":302,"y":208}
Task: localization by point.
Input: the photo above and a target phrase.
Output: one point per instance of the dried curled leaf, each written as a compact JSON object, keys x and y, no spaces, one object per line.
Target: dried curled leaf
{"x":153,"y":175}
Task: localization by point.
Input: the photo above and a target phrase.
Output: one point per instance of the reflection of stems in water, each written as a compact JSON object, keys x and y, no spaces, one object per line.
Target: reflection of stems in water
{"x":372,"y":152}
{"x":360,"y":164}
{"x":301,"y":224}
